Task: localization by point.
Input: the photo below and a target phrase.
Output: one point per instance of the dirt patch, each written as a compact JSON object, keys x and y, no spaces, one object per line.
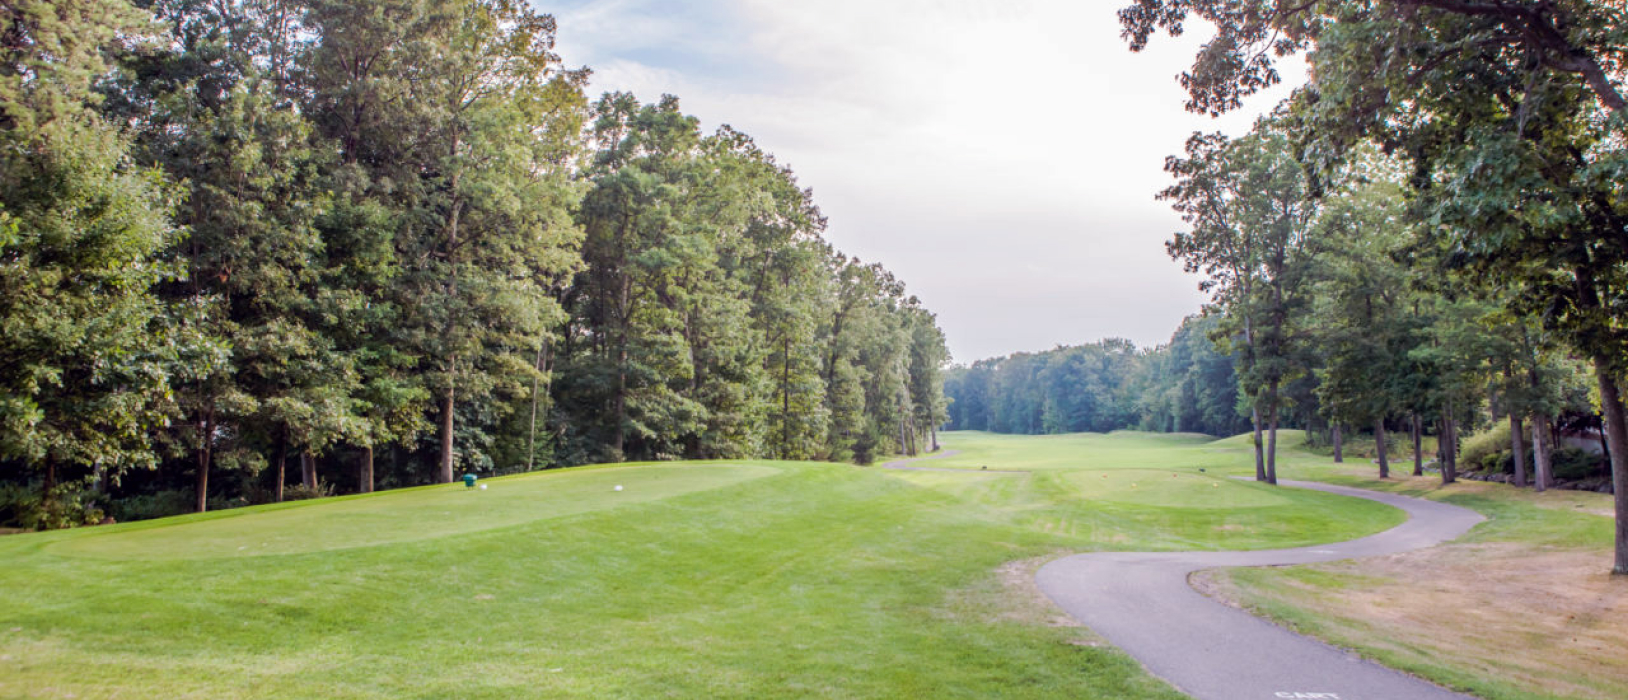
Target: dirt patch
{"x":1216,"y":585}
{"x":1011,"y":596}
{"x":1029,"y":605}
{"x":1546,"y":621}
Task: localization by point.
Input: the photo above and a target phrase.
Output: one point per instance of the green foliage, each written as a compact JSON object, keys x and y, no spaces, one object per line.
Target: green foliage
{"x":88,"y":347}
{"x":1477,"y":448}
{"x":1513,"y":122}
{"x":147,"y":506}
{"x":1574,"y":463}
{"x":404,"y":220}
{"x":301,"y":492}
{"x":1188,"y":385}
{"x":64,"y":505}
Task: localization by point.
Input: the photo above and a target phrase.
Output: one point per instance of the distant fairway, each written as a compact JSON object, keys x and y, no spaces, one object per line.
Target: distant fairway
{"x":749,"y":579}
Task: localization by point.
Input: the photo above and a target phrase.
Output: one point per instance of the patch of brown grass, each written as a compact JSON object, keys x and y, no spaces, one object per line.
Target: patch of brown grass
{"x":1557,"y":499}
{"x":1011,"y":596}
{"x":1541,"y":621}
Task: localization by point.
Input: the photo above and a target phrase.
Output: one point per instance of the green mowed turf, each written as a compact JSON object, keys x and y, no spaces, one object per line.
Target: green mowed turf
{"x":413,"y":514}
{"x":757,"y":579}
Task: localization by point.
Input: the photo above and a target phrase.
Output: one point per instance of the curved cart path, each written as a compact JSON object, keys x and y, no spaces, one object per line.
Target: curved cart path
{"x":1141,"y":603}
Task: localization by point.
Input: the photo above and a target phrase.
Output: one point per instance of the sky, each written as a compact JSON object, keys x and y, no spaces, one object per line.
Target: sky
{"x":1001,"y":157}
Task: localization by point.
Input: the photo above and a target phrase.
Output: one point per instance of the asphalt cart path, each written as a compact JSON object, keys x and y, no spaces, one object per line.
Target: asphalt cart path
{"x":1141,"y":602}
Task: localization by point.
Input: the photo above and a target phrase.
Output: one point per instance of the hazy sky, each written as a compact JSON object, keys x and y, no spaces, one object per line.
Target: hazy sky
{"x":1000,"y":157}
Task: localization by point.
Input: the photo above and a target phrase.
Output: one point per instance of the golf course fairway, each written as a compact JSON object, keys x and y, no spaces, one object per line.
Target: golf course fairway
{"x":734,"y":579}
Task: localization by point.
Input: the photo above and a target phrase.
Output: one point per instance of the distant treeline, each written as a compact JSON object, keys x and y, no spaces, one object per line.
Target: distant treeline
{"x":263,"y":249}
{"x":1185,"y":386}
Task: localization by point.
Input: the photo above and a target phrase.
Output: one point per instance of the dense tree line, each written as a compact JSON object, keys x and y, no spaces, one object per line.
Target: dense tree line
{"x":1187,"y":385}
{"x":385,"y":242}
{"x":1438,"y":217}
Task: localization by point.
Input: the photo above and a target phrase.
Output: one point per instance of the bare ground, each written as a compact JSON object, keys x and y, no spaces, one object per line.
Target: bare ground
{"x":1012,"y":595}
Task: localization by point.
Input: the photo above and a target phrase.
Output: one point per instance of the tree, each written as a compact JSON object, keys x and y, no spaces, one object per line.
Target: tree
{"x":1250,"y":206}
{"x":1512,"y":117}
{"x":213,"y":117}
{"x":1583,"y":40}
{"x":449,"y":118}
{"x":88,"y":349}
{"x":1362,"y":318}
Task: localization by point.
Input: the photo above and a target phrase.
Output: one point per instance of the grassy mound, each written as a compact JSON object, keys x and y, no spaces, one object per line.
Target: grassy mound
{"x":414,"y":514}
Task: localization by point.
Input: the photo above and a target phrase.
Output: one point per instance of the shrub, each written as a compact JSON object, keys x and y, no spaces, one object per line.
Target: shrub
{"x":300,"y":492}
{"x":163,"y":504}
{"x":70,"y":505}
{"x":1357,"y":445}
{"x":1498,"y":463}
{"x":1573,"y":464}
{"x":1478,"y":447}
{"x":147,"y":506}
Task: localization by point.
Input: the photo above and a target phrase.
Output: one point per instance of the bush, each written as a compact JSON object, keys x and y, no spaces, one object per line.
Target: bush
{"x":1575,"y":464}
{"x":70,"y":505}
{"x":299,"y":492}
{"x":1498,"y":463}
{"x":1357,"y":445}
{"x":147,"y":506}
{"x":1475,"y":449}
{"x":164,"y":504}
{"x":11,"y":500}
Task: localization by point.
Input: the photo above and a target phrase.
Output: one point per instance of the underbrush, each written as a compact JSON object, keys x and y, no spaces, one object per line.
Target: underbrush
{"x":1398,"y":446}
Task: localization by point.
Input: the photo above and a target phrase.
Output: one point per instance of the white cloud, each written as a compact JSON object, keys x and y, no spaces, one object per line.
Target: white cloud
{"x":1001,"y":157}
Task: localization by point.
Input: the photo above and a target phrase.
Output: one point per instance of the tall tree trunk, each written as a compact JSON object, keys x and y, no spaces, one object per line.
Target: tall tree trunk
{"x":1517,"y":444}
{"x":785,"y":396}
{"x":1614,"y":427}
{"x":1260,"y":451}
{"x":1616,"y":435}
{"x":1449,"y":446}
{"x":1272,"y":439}
{"x":1541,"y":455}
{"x":444,"y":474}
{"x":538,"y":391}
{"x":206,"y":441}
{"x":935,"y":447}
{"x":308,"y":471}
{"x":282,"y":463}
{"x":1418,"y":446}
{"x":531,"y":425}
{"x":1379,"y":449}
{"x":1339,"y":443}
{"x":1254,"y":401}
{"x":619,"y":434}
{"x":904,"y":446}
{"x":1605,"y":442}
{"x":365,"y":477}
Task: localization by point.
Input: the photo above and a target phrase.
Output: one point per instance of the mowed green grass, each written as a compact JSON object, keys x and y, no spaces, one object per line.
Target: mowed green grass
{"x":750,"y":579}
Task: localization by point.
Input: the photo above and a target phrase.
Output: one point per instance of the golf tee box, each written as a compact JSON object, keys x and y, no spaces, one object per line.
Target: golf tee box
{"x":469,"y":481}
